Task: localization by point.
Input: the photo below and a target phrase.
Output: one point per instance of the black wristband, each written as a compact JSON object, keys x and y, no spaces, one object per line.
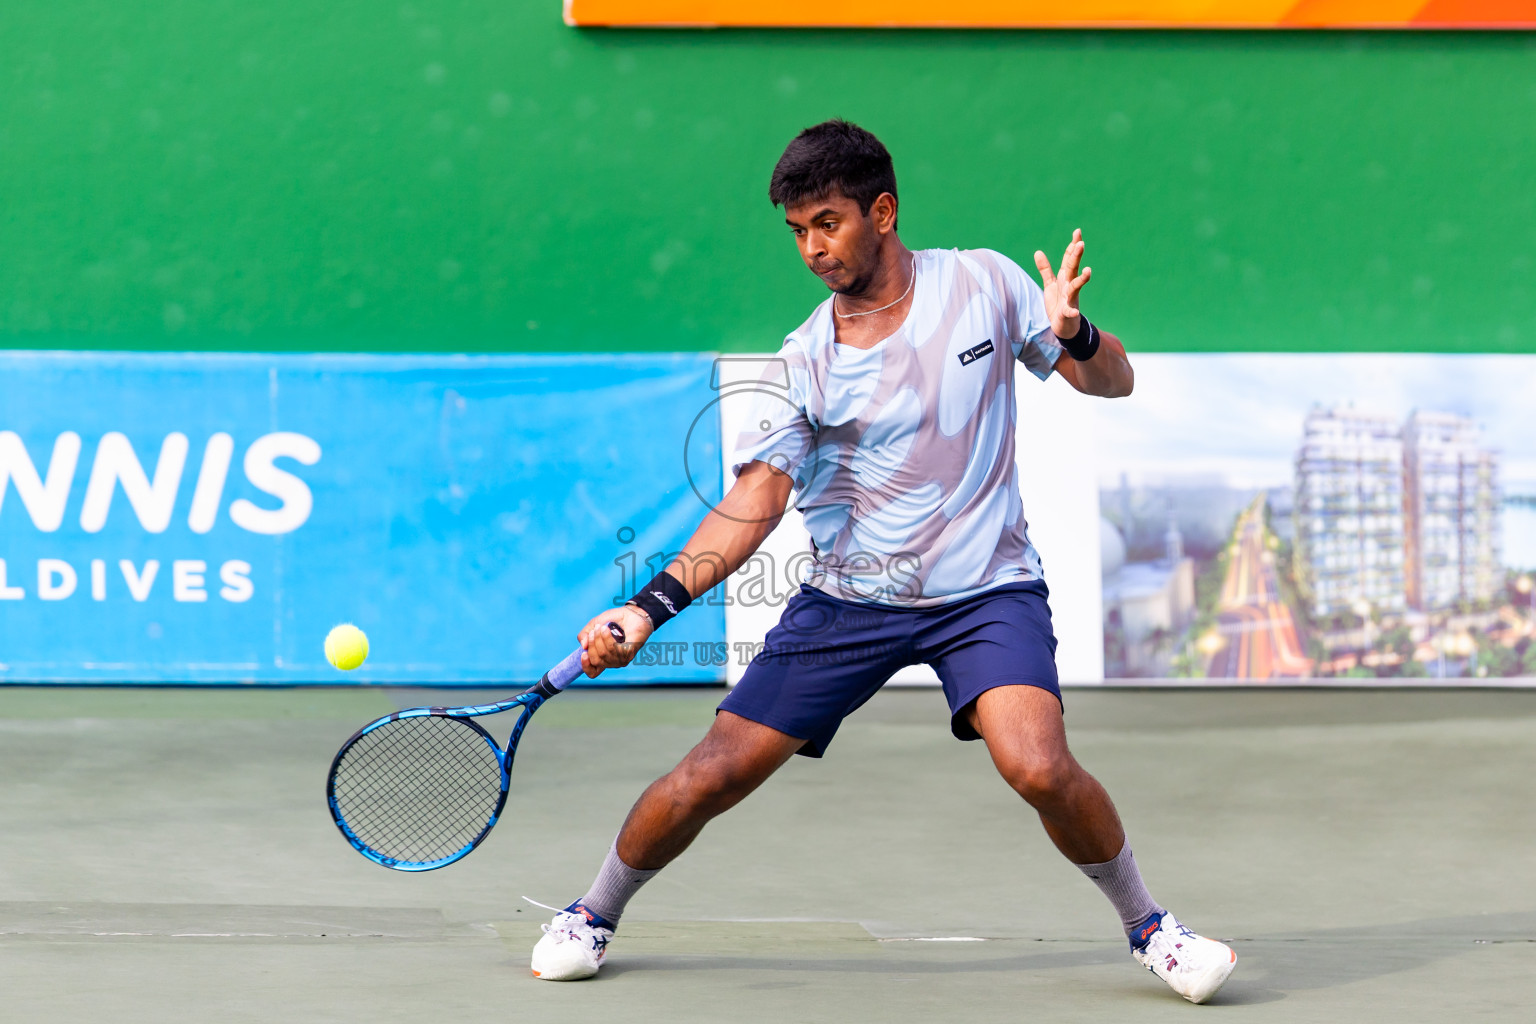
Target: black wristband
{"x":1082,"y":345}
{"x":661,"y":598}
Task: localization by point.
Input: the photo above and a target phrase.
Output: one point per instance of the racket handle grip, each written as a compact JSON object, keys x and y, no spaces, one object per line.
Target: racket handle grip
{"x":565,"y":673}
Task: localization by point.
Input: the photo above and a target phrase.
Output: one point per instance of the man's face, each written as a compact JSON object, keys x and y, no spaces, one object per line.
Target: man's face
{"x":838,"y":242}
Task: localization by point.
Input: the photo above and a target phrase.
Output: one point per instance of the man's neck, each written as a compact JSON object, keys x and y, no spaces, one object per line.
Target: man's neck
{"x":890,"y":282}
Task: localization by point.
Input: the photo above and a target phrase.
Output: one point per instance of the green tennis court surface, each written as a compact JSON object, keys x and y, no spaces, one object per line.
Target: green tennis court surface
{"x":166,"y":856}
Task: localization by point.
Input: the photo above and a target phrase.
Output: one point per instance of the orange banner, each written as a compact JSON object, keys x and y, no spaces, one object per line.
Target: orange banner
{"x":1486,"y":14}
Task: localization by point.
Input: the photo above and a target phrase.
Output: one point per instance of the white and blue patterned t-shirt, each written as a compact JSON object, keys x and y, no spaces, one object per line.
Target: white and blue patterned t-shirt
{"x":903,"y":454}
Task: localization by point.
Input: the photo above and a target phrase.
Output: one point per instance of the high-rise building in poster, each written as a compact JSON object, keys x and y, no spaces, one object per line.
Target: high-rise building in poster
{"x":1348,"y":512}
{"x":1452,"y":503}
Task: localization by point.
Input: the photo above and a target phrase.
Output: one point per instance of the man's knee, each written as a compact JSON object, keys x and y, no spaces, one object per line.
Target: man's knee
{"x":708,"y":786}
{"x":719,"y":773}
{"x":1039,"y":777}
{"x":735,"y":757}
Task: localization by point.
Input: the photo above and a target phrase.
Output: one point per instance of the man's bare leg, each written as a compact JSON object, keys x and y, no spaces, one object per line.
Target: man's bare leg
{"x":1023,"y":729}
{"x":735,"y":757}
{"x":732,"y":760}
{"x":1024,"y":733}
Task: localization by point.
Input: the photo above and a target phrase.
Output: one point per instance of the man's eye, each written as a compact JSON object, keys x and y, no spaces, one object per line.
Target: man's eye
{"x":828,"y":225}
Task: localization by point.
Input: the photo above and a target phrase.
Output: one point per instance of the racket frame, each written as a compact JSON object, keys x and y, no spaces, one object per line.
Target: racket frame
{"x":529,"y":700}
{"x":553,"y":682}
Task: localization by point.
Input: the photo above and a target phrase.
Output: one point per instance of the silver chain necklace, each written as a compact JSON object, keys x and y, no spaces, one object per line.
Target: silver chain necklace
{"x":911,"y":280}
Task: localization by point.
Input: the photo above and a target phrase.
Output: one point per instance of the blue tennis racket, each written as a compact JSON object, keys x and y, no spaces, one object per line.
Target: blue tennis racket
{"x":421,"y":788}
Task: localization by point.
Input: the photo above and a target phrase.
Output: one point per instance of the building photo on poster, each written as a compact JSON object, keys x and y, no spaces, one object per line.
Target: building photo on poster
{"x":1349,"y":517}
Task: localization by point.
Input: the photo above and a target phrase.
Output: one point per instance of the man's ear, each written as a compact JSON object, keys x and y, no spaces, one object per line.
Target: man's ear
{"x":883,"y":212}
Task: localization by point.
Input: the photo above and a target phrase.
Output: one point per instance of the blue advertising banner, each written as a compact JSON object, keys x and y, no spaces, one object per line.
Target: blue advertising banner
{"x":208,"y":518}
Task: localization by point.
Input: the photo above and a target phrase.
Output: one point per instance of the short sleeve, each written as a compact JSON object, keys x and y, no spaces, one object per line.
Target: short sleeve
{"x":776,"y":429}
{"x":1029,"y":328}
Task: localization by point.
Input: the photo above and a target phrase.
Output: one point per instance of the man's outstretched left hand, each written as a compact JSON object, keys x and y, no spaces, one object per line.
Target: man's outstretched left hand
{"x":1061,"y":289}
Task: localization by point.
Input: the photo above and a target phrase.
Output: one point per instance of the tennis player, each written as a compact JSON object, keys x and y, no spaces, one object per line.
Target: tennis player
{"x":890,"y":414}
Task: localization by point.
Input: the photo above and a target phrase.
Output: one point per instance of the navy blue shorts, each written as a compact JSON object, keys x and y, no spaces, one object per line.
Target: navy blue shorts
{"x":826,"y":657}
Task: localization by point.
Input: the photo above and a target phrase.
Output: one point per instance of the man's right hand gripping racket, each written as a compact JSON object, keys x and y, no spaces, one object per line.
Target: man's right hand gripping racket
{"x":420,"y":788}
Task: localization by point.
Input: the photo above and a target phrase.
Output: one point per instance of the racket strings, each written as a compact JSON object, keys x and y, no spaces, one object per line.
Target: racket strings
{"x":419,"y":789}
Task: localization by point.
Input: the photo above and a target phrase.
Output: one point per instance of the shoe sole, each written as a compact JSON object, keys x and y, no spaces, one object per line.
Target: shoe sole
{"x":1221,"y":973}
{"x":567,"y":977}
{"x":579,"y":973}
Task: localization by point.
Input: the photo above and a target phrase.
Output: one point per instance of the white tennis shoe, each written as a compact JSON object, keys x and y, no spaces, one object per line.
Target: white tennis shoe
{"x":1193,"y":966}
{"x":573,"y":947}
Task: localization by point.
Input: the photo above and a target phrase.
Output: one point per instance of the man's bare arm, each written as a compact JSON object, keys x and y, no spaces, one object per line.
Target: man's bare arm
{"x":734,"y":529}
{"x":1108,"y":374}
{"x":724,"y":540}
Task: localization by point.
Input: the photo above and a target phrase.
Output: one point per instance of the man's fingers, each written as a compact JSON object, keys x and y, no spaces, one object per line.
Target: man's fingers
{"x":611,"y":647}
{"x":599,"y":649}
{"x":1071,"y":258}
{"x":609,"y":652}
{"x":1076,"y":285}
{"x":1044,"y":265}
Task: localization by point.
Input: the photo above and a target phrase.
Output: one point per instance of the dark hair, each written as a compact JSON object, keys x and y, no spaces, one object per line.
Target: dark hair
{"x":834,"y":156}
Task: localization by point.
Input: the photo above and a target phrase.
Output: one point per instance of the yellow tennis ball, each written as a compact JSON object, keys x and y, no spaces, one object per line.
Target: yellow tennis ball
{"x":346,"y":647}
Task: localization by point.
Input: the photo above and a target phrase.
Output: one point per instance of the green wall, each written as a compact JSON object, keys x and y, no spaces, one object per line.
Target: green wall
{"x":472,"y":175}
